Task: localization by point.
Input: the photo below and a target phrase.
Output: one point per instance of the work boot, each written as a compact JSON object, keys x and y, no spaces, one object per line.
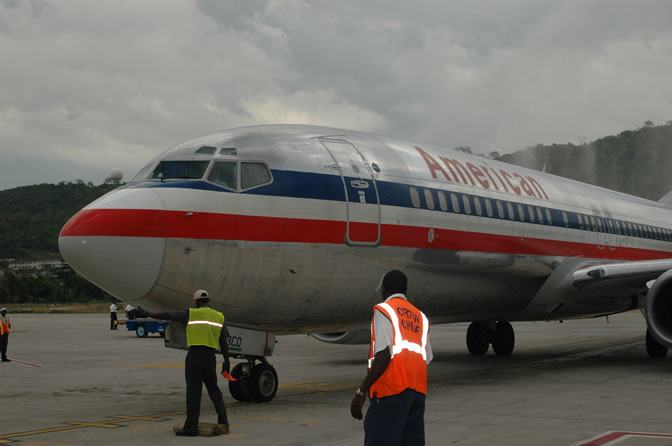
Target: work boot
{"x":185,"y":433}
{"x":222,"y":429}
{"x":6,"y":360}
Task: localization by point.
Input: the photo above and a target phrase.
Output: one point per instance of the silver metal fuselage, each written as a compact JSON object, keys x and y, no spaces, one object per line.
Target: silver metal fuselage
{"x":306,"y":252}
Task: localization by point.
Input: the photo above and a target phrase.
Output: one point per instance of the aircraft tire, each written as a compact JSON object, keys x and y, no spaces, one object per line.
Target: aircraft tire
{"x":240,"y":389}
{"x":504,"y":339}
{"x":477,"y":340}
{"x":654,"y":348}
{"x":264,"y":382}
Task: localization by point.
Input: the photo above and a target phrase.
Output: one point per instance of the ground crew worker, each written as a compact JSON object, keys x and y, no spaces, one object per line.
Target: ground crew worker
{"x":397,"y":378}
{"x":113,"y":316}
{"x":5,"y":330}
{"x":205,"y":332}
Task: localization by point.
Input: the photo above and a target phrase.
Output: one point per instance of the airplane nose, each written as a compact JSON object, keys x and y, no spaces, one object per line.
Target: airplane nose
{"x":117,"y":242}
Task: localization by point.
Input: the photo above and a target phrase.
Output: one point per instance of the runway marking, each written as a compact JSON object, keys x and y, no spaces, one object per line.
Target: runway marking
{"x":26,"y":363}
{"x":179,"y":365}
{"x":614,"y":437}
{"x":316,"y":390}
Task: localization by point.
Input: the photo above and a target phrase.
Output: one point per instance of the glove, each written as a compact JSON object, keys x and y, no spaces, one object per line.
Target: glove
{"x":225,"y":367}
{"x":141,"y":312}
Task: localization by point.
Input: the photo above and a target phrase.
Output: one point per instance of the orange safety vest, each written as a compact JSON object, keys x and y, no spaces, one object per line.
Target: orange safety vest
{"x":408,"y":365}
{"x":4,"y":326}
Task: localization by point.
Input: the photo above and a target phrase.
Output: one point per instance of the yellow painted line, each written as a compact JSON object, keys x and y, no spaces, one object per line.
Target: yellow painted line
{"x":313,"y":388}
{"x":179,"y":365}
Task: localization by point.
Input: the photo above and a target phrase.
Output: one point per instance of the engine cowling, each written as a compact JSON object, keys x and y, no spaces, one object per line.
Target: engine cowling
{"x":659,"y":309}
{"x":344,"y":337}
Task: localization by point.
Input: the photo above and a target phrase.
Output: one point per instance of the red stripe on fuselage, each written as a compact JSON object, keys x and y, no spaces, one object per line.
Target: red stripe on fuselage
{"x":203,"y":225}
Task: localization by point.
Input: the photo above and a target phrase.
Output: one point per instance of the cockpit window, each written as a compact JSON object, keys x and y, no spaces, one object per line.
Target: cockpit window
{"x":228,"y":151}
{"x":143,"y":172}
{"x":206,"y":150}
{"x":254,"y":174}
{"x":180,"y":170}
{"x":224,"y":174}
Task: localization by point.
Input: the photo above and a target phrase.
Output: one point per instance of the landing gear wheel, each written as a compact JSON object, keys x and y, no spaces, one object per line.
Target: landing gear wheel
{"x":141,"y":331}
{"x":263,"y":382}
{"x":653,"y":347}
{"x":477,"y":340}
{"x":240,"y":389}
{"x":504,"y":339}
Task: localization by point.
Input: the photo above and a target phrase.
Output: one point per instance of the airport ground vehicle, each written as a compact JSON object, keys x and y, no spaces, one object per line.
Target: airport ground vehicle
{"x":143,"y":327}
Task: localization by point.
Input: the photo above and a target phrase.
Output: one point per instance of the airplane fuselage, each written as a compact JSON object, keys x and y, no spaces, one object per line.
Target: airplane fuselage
{"x":290,"y":229}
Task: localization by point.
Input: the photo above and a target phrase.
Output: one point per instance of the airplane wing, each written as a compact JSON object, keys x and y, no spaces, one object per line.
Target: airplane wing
{"x":586,"y":282}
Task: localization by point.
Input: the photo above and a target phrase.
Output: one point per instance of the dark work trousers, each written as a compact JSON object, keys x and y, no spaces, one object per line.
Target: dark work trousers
{"x":113,"y":320}
{"x":200,"y":368}
{"x":396,"y":420}
{"x":4,"y":340}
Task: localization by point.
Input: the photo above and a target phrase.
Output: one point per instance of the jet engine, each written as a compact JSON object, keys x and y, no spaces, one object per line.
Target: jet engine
{"x":344,"y":337}
{"x":659,"y":309}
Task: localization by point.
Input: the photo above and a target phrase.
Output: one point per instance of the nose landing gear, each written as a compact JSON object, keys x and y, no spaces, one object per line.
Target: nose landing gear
{"x":254,"y":382}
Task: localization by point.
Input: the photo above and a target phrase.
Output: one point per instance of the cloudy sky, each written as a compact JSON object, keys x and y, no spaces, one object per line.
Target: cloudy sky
{"x":87,"y":86}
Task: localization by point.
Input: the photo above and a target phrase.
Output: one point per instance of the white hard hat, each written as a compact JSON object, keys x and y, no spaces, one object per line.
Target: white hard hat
{"x":201,"y":294}
{"x":3,"y":309}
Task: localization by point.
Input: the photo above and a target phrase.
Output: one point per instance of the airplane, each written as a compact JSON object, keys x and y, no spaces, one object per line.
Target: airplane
{"x":291,"y":228}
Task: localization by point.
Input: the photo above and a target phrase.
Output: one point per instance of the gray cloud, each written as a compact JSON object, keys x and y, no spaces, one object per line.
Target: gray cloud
{"x":90,"y":86}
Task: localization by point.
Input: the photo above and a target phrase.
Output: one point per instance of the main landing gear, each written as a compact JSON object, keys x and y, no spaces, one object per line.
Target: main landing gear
{"x":254,"y":382}
{"x":480,"y":335}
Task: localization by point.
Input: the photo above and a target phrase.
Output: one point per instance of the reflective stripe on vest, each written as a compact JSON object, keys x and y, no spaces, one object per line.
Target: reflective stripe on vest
{"x":408,"y":362}
{"x":204,"y":327}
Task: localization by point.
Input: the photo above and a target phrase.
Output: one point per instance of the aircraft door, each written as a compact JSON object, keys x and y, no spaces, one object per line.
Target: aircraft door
{"x":362,"y":203}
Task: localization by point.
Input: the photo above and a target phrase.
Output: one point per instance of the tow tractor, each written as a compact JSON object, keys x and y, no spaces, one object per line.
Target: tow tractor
{"x":256,"y":379}
{"x":145,"y":326}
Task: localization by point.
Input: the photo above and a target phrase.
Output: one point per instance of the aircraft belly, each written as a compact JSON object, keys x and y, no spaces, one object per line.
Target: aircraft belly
{"x":308,"y":287}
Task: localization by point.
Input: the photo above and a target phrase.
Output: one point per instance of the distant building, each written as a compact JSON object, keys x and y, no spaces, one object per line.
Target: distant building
{"x":19,"y":265}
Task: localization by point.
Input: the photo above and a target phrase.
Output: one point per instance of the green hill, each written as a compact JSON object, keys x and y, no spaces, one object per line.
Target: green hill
{"x":634,"y":161}
{"x":31,"y":217}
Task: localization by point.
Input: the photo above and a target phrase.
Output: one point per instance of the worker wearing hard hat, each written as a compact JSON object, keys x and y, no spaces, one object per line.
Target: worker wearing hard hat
{"x":205,"y":332}
{"x":5,"y":330}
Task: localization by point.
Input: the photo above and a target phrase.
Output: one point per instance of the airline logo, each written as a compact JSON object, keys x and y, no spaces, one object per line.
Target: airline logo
{"x":482,"y":175}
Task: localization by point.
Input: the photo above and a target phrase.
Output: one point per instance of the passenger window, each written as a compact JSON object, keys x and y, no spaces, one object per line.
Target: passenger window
{"x":593,"y":225}
{"x":530,"y":213}
{"x":488,"y":207}
{"x":540,"y":216}
{"x":429,"y":199}
{"x":455,"y":202}
{"x":500,"y":209}
{"x":415,"y":197}
{"x":618,"y":227}
{"x":443,"y":204}
{"x":254,"y":174}
{"x":565,"y":220}
{"x":580,"y":219}
{"x":183,"y":170}
{"x":467,"y":205}
{"x":223,"y":174}
{"x":611,"y":227}
{"x":477,"y":205}
{"x":521,"y":213}
{"x":630,"y":231}
{"x":509,"y":207}
{"x":548,"y":217}
{"x":599,"y":225}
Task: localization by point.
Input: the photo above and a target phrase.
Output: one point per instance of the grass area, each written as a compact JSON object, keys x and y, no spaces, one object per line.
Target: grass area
{"x":71,"y":308}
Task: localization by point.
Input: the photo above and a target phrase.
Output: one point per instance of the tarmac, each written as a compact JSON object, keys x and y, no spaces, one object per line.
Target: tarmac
{"x":74,"y":382}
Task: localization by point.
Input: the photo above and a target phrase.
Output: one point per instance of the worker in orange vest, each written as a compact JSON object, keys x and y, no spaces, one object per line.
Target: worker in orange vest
{"x":5,"y":330}
{"x":397,"y":379}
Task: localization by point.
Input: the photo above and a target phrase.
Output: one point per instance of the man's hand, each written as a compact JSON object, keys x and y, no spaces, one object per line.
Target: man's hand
{"x":141,"y":312}
{"x":356,"y":406}
{"x":226,"y":366}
